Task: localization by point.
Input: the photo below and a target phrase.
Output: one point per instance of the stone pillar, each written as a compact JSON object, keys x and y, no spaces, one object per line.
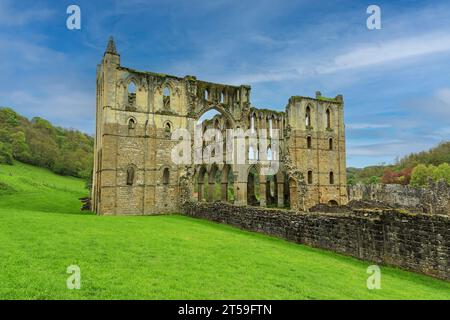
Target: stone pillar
{"x":211,"y":191}
{"x":240,"y":192}
{"x":280,"y":194}
{"x":224,"y":191}
{"x":200,"y":191}
{"x":262,"y":193}
{"x":268,"y":195}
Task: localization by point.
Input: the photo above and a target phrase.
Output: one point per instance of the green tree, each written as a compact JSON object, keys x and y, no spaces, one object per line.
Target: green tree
{"x":442,"y":172}
{"x":6,"y":153}
{"x":373,"y":180}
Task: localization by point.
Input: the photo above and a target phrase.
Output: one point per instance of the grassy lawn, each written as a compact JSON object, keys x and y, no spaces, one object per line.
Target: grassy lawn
{"x":42,"y":232}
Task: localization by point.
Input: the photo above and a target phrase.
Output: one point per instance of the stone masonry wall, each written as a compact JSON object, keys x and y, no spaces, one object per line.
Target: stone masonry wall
{"x":435,"y":199}
{"x":415,"y":242}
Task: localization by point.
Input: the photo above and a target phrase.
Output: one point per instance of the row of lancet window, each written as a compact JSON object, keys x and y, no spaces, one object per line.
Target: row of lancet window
{"x":166,"y":93}
{"x":132,"y":125}
{"x":330,"y":177}
{"x":131,"y":176}
{"x":309,"y":143}
{"x":308,"y":118}
{"x":222,"y":97}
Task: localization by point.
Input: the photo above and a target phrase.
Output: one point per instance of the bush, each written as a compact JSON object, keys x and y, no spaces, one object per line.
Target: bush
{"x":422,"y":174}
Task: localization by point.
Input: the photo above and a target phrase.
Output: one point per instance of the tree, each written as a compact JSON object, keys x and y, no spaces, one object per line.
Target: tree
{"x":421,"y":174}
{"x":442,"y":172}
{"x":5,"y":153}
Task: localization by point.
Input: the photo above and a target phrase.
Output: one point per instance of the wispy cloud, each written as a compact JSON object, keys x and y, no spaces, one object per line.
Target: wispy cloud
{"x":12,"y":16}
{"x":363,"y":126}
{"x":389,"y":51}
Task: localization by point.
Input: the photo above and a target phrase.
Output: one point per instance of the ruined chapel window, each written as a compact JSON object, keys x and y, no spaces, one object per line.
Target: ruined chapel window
{"x":330,"y":144}
{"x":167,"y":127}
{"x":222,"y":98}
{"x":331,"y":177}
{"x":310,"y":177}
{"x":252,"y":122}
{"x":166,"y":97}
{"x":328,"y":119}
{"x":130,"y":176}
{"x":309,"y":142}
{"x":308,"y":117}
{"x":131,"y":93}
{"x":131,"y":124}
{"x":206,"y":95}
{"x":269,"y":154}
{"x":166,"y":176}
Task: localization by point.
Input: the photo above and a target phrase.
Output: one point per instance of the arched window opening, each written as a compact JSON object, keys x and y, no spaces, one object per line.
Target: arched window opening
{"x":131,"y":124}
{"x":308,"y":117}
{"x":131,"y":93}
{"x":132,"y":87}
{"x":330,"y":144}
{"x":167,"y":127}
{"x":166,"y":97}
{"x":252,"y":122}
{"x":251,"y":153}
{"x":130,"y":176}
{"x":222,"y":97}
{"x":206,"y":93}
{"x":253,"y":191}
{"x":166,"y":176}
{"x":331,"y":177}
{"x":269,"y":154}
{"x":310,"y":177}
{"x":328,"y":119}
{"x":309,"y":142}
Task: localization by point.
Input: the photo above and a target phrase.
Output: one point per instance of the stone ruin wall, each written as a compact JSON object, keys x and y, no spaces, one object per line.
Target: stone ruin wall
{"x":434,"y":199}
{"x":416,"y":242}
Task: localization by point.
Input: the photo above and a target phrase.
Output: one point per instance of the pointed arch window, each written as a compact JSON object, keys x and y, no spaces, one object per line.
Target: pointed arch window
{"x":166,"y":176}
{"x":130,"y":175}
{"x":310,"y":177}
{"x":131,"y":93}
{"x":328,"y":119}
{"x":166,"y":97}
{"x":131,"y":124}
{"x":167,"y":127}
{"x":308,"y":117}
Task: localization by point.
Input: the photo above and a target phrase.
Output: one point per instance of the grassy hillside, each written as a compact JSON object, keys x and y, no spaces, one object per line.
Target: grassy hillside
{"x":42,"y":232}
{"x":402,"y":172}
{"x":38,"y":142}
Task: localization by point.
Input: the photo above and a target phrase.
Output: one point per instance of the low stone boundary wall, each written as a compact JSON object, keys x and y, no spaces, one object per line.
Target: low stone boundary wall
{"x":434,"y":199}
{"x":415,"y":242}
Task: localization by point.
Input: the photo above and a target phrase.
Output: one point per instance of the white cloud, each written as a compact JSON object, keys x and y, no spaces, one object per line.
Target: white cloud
{"x":10,"y":16}
{"x":389,"y":51}
{"x":362,"y":126}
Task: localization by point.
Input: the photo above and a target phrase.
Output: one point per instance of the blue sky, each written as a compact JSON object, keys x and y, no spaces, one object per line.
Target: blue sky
{"x":395,"y":81}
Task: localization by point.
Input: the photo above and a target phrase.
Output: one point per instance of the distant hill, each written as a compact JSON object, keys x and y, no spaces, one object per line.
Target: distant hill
{"x":37,"y":142}
{"x":401,"y":171}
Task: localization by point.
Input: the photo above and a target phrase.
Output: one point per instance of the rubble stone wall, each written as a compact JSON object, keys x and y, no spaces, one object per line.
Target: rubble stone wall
{"x":416,"y":242}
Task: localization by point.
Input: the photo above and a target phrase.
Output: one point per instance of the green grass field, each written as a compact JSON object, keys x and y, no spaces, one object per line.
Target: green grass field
{"x":42,"y":232}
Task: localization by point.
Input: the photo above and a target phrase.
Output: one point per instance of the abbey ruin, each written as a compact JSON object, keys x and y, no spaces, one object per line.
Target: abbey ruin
{"x":137,"y":113}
